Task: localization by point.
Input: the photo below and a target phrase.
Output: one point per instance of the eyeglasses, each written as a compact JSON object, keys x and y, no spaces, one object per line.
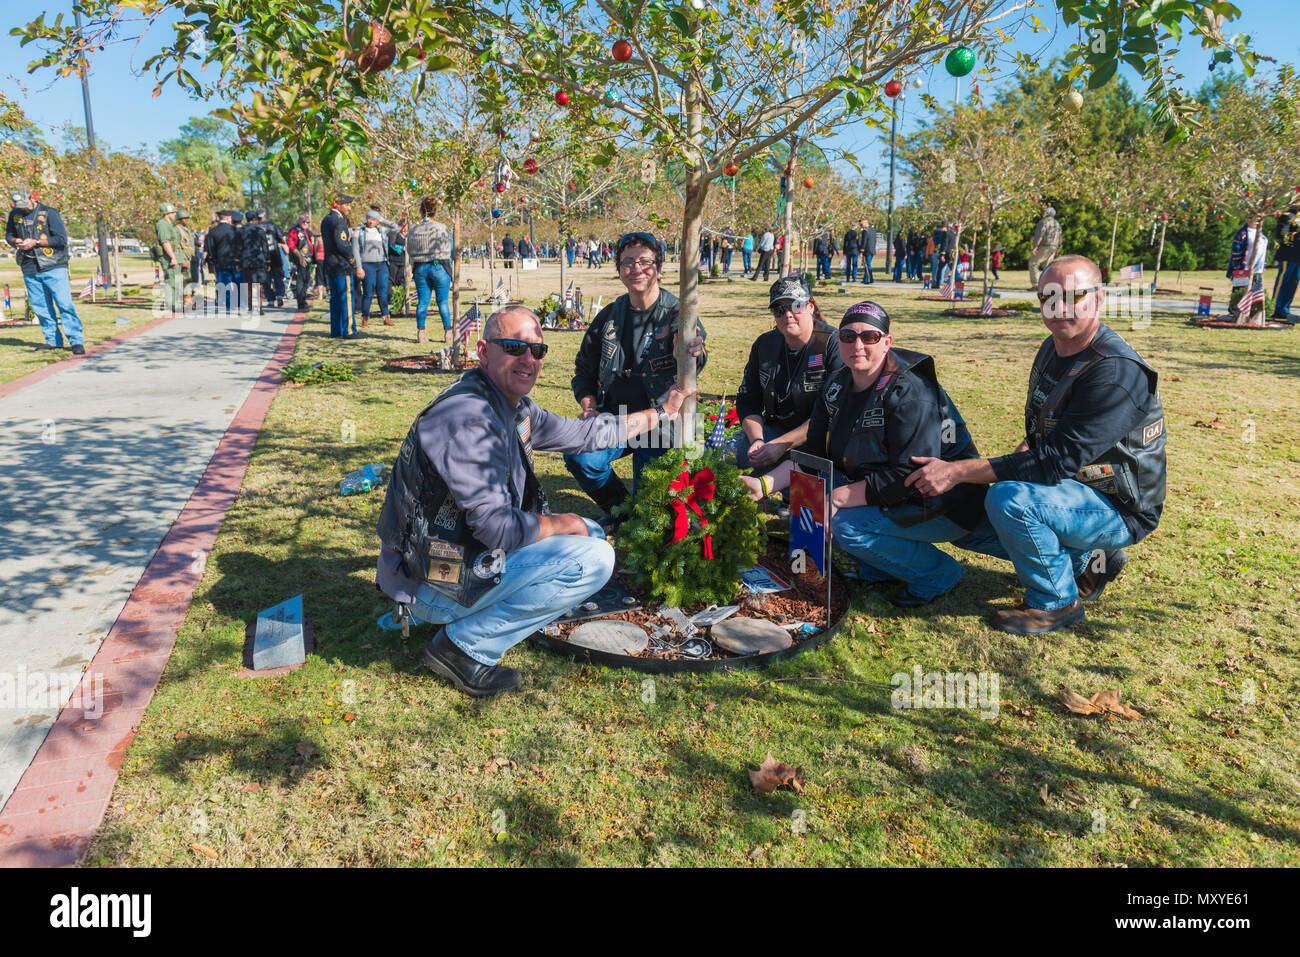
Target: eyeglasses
{"x":1078,"y":294}
{"x":781,"y":308}
{"x":516,"y":347}
{"x":870,"y":337}
{"x":627,"y":264}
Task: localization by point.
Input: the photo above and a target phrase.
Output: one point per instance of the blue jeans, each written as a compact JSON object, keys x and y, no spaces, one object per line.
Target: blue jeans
{"x":934,"y":269}
{"x":887,"y":550}
{"x":569,"y":253}
{"x":1049,"y":532}
{"x":850,"y":267}
{"x":1286,"y":290}
{"x":540,"y":583}
{"x":343,"y":320}
{"x":49,"y":291}
{"x":745,"y":254}
{"x":595,"y":470}
{"x":866,"y":267}
{"x":375,"y":285}
{"x":898,"y":269}
{"x":823,"y":265}
{"x":431,"y":278}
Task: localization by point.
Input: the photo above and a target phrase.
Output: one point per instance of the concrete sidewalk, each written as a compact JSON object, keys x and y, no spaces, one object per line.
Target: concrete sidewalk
{"x":96,"y":461}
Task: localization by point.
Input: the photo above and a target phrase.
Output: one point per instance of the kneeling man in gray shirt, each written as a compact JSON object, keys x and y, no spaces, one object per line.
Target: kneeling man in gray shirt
{"x":467,"y":538}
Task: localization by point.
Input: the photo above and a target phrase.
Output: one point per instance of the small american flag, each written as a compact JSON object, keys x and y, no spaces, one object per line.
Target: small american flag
{"x":568,"y":293}
{"x":87,"y":288}
{"x":469,"y":324}
{"x":946,"y":288}
{"x":1131,"y":272}
{"x":986,"y":307}
{"x":718,"y":436}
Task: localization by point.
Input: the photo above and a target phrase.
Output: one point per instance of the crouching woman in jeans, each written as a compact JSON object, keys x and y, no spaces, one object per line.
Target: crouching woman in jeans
{"x":871,"y":417}
{"x":428,"y":244}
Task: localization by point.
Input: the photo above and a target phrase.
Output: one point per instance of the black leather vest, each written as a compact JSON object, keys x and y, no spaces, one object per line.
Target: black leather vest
{"x":1132,"y":472}
{"x":35,"y":224}
{"x":867,"y":448}
{"x":654,"y":363}
{"x":788,"y":404}
{"x":421,"y":521}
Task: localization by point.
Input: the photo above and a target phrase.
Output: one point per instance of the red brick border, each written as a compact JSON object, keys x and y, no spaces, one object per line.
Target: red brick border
{"x":9,"y":388}
{"x":60,"y":801}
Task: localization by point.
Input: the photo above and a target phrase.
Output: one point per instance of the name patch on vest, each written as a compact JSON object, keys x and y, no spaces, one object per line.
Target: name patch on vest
{"x":439,"y":549}
{"x":663,"y":364}
{"x":872,"y":419}
{"x":1153,"y":431}
{"x":447,"y":515}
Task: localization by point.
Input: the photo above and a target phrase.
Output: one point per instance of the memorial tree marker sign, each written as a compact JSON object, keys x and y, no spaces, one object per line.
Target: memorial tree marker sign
{"x":810,"y":507}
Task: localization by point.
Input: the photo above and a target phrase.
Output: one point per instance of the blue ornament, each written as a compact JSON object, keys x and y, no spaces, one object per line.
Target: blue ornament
{"x":496,"y":214}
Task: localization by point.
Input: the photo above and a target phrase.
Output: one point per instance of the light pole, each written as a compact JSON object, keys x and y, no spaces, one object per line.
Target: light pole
{"x":100,"y":236}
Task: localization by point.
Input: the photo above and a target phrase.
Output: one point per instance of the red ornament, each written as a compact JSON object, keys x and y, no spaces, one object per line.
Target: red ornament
{"x":893,"y":88}
{"x":809,"y":182}
{"x":565,"y":209}
{"x":561,"y":97}
{"x":731,"y":169}
{"x":622,"y":51}
{"x":572,"y":185}
{"x":379,"y":53}
{"x":500,"y":187}
{"x":1164,"y":216}
{"x":530,"y":166}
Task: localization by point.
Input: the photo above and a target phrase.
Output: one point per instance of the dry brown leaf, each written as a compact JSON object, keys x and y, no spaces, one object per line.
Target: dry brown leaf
{"x":1077,"y":702}
{"x":205,"y":851}
{"x":775,"y":773}
{"x":349,"y":716}
{"x":1110,"y":701}
{"x":180,"y":735}
{"x":496,"y":764}
{"x":710,"y":706}
{"x":1002,"y":774}
{"x":306,"y":750}
{"x":1042,"y":793}
{"x":1132,"y":805}
{"x":252,"y":787}
{"x":1103,"y":702}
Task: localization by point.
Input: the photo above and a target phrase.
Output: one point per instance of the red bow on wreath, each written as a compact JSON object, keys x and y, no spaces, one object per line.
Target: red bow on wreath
{"x":701,"y":486}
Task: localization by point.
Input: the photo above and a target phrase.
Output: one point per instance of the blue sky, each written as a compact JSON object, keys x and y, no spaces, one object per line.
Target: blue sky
{"x":126,"y":115}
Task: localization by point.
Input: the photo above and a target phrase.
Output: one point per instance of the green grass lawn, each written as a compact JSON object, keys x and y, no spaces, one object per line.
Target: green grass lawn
{"x":99,"y":319}
{"x":362,"y":757}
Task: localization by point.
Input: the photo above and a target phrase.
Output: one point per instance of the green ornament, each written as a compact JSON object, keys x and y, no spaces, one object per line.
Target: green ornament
{"x":960,"y":61}
{"x":537,"y":60}
{"x":612,"y":94}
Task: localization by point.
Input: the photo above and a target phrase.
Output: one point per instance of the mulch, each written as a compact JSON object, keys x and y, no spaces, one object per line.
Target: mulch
{"x":973,"y":312}
{"x":426,"y":363}
{"x":1225,"y":322}
{"x":806,"y":601}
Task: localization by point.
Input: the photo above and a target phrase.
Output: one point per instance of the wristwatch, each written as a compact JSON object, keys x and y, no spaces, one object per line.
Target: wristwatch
{"x":662,"y":413}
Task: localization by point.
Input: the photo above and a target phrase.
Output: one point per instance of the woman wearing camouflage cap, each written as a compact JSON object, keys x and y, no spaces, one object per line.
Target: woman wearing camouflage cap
{"x":786,"y":368}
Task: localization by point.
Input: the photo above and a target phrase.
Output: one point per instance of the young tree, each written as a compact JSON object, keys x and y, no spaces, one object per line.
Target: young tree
{"x":696,"y":83}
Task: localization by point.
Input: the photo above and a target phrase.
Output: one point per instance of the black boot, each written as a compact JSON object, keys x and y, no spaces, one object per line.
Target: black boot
{"x":609,"y":496}
{"x":476,"y":680}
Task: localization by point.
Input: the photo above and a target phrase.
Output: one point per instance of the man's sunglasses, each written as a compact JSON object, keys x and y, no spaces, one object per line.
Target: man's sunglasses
{"x":1078,"y":294}
{"x":516,"y":347}
{"x":869,"y":337}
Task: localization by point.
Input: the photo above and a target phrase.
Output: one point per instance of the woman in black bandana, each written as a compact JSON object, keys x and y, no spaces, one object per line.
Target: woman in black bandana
{"x":883,"y":407}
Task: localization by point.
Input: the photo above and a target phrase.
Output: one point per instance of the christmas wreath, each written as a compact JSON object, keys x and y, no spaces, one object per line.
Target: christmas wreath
{"x":691,"y":531}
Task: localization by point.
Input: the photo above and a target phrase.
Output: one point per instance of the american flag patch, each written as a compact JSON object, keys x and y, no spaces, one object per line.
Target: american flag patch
{"x":815,"y":361}
{"x":524,"y":428}
{"x":1076,"y":368}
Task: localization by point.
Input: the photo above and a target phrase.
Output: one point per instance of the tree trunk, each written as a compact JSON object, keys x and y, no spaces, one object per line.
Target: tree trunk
{"x":1155,"y":280}
{"x":988,"y":286}
{"x":688,"y":292}
{"x":492,"y":252}
{"x":956,"y":258}
{"x":787,"y":219}
{"x":1110,"y":263}
{"x":455,"y":286}
{"x":117,"y":270}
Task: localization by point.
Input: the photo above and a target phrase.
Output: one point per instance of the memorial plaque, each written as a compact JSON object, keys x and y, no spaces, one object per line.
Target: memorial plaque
{"x":711,"y":616}
{"x":614,"y":637}
{"x":750,"y":636}
{"x":278,"y":640}
{"x":613,"y":599}
{"x":759,"y":579}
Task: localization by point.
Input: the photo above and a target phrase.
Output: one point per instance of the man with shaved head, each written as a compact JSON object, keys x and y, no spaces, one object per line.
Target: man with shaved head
{"x":468,"y":541}
{"x":1089,"y":479}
